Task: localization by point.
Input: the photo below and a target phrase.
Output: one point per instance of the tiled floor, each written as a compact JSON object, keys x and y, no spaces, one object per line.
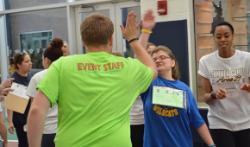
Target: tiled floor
{"x":10,"y":144}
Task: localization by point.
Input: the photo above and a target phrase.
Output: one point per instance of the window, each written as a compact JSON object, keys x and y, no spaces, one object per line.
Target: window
{"x":34,"y":43}
{"x":32,"y":31}
{"x":15,"y":4}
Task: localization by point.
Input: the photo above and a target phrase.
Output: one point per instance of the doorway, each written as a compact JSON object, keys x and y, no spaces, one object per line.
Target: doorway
{"x":117,"y":12}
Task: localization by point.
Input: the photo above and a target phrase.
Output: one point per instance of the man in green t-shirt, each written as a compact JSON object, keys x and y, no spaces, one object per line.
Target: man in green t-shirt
{"x":94,"y":91}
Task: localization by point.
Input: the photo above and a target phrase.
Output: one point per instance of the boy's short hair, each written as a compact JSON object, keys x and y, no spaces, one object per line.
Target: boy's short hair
{"x":96,"y":29}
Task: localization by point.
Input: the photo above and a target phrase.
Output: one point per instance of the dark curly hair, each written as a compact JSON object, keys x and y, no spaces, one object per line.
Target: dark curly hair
{"x":54,"y":49}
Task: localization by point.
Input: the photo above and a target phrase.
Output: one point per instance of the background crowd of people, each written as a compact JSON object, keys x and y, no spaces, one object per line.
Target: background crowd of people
{"x":88,"y":99}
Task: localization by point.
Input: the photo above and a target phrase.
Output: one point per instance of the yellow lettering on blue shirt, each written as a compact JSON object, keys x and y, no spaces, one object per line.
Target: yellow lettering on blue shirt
{"x":167,"y":112}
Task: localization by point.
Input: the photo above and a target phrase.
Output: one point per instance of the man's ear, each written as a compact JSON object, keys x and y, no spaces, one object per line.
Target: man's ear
{"x":110,"y":41}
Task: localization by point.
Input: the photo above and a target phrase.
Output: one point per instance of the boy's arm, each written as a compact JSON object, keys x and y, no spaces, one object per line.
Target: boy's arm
{"x":147,"y":24}
{"x":36,"y":118}
{"x":130,"y":33}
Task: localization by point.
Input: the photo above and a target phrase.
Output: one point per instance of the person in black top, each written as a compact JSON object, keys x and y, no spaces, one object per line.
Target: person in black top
{"x":22,"y":76}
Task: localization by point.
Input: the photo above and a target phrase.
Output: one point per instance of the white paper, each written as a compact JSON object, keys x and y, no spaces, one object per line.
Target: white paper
{"x":169,"y":97}
{"x":19,"y":90}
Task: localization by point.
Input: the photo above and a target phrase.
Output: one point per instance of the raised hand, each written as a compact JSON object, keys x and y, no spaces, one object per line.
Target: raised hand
{"x":130,"y":31}
{"x":148,"y":21}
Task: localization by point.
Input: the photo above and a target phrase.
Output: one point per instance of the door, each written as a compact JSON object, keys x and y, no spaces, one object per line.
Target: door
{"x":122,"y":11}
{"x":82,"y":13}
{"x":117,"y":12}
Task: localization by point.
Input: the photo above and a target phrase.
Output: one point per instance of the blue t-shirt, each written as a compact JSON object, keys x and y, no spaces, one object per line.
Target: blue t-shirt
{"x":168,"y":126}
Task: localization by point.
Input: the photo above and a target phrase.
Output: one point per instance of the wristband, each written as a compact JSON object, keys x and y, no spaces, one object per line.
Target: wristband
{"x":134,"y":39}
{"x":146,"y":31}
{"x":212,"y":145}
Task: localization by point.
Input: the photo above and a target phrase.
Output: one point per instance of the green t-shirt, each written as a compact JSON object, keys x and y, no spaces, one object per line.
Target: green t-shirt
{"x":94,"y":93}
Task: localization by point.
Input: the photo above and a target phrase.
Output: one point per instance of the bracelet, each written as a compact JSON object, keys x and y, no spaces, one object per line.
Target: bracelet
{"x":146,"y":31}
{"x":212,"y":145}
{"x":134,"y":39}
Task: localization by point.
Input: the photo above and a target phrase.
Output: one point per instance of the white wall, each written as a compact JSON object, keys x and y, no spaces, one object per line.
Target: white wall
{"x":177,"y":9}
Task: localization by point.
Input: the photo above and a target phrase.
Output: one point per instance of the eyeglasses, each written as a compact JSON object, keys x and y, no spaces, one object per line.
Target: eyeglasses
{"x":161,"y":57}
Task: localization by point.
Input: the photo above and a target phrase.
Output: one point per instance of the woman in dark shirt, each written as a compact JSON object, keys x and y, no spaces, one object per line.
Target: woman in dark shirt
{"x":22,"y":76}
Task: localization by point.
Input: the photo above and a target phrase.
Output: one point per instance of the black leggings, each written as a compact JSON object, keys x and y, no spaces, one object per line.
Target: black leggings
{"x":137,"y":132}
{"x":225,"y":138}
{"x":21,"y":136}
{"x":48,"y":140}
